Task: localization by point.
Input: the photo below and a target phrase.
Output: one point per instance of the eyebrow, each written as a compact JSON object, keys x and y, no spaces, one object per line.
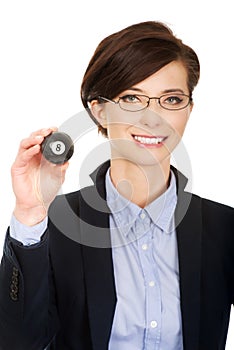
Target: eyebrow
{"x":162,"y":92}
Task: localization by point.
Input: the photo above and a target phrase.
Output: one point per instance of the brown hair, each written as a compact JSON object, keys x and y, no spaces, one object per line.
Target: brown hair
{"x":129,"y":56}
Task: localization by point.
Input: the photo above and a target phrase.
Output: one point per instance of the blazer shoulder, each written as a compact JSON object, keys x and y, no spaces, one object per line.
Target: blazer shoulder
{"x":71,"y":198}
{"x":73,"y":206}
{"x":217,"y":206}
{"x":219,"y":215}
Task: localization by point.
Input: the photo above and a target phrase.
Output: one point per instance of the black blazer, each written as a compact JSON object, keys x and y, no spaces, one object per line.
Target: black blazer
{"x":60,"y":294}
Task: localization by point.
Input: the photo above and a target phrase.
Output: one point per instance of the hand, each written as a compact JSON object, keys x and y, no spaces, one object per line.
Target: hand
{"x":35,"y":181}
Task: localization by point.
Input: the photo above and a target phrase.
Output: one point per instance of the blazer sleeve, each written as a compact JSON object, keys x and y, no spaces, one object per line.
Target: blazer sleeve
{"x":28,"y":315}
{"x":218,"y":249}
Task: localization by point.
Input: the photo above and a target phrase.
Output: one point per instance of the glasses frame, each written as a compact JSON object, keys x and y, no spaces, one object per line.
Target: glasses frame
{"x":190,"y":99}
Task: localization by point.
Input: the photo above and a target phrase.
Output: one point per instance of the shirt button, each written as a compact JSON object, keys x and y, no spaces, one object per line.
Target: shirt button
{"x":142,"y":216}
{"x":153,"y":324}
{"x":151,"y":283}
{"x":144,"y":246}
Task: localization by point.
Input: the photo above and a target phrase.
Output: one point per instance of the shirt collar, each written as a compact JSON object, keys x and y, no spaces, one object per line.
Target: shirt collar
{"x":161,"y":210}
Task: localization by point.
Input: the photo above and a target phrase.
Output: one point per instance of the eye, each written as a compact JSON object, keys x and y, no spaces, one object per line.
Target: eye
{"x":131,"y":99}
{"x":173,"y":99}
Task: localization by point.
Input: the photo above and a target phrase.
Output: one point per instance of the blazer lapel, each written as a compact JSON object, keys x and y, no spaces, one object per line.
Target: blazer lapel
{"x":98,"y":265}
{"x":189,"y":250}
{"x":101,"y":297}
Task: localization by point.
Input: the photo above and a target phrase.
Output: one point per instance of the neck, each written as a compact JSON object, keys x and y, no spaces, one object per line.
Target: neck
{"x":140,"y":184}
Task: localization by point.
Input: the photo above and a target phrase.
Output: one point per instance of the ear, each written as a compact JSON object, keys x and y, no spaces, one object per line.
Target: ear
{"x":191,"y":106}
{"x":98,"y":111}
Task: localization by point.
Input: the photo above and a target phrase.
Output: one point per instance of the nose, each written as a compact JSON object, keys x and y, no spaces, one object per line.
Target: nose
{"x":150,"y":117}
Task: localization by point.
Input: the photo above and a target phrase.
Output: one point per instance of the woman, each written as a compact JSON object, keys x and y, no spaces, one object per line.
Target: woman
{"x":134,"y":261}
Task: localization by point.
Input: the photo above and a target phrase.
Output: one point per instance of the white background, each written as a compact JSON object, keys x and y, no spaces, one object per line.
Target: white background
{"x":45,"y":48}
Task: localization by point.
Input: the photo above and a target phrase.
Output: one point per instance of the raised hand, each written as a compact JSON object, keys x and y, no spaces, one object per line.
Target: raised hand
{"x":35,"y":180}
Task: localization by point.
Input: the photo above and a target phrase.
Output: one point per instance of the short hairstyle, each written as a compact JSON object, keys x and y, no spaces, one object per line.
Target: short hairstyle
{"x":129,"y":56}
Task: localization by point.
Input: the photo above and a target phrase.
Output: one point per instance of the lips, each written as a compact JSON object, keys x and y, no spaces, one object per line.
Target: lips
{"x":149,"y":140}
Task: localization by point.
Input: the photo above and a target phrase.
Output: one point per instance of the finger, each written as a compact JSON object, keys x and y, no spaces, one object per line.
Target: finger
{"x":36,"y":137}
{"x":23,"y":158}
{"x":30,"y":142}
{"x":64,"y":167}
{"x":44,"y":132}
{"x":60,"y":170}
{"x":60,"y":167}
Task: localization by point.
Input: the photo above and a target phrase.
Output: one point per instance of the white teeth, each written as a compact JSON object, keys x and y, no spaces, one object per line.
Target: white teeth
{"x":149,"y":140}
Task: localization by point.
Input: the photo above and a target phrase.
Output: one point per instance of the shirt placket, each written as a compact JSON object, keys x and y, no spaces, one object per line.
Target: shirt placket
{"x":152,"y":285}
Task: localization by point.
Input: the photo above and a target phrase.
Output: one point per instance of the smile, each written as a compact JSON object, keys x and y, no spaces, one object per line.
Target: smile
{"x":146,"y":140}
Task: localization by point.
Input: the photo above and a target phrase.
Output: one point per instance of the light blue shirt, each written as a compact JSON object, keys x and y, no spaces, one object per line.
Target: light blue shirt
{"x":27,"y":235}
{"x":145,"y":261}
{"x":145,"y":257}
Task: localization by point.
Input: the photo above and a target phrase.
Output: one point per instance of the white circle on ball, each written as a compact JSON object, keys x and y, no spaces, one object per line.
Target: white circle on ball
{"x":57,"y":147}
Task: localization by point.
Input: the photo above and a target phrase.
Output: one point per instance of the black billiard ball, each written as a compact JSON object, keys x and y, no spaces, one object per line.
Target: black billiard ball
{"x":57,"y":147}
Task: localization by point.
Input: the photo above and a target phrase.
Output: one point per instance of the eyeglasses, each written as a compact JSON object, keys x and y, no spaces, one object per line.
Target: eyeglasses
{"x":135,"y":103}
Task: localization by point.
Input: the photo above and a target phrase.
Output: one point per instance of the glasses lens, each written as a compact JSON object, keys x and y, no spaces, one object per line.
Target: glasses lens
{"x":174,"y":102}
{"x":133,"y":103}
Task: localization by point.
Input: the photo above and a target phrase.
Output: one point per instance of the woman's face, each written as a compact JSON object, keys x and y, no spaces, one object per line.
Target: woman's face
{"x":147,"y":137}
